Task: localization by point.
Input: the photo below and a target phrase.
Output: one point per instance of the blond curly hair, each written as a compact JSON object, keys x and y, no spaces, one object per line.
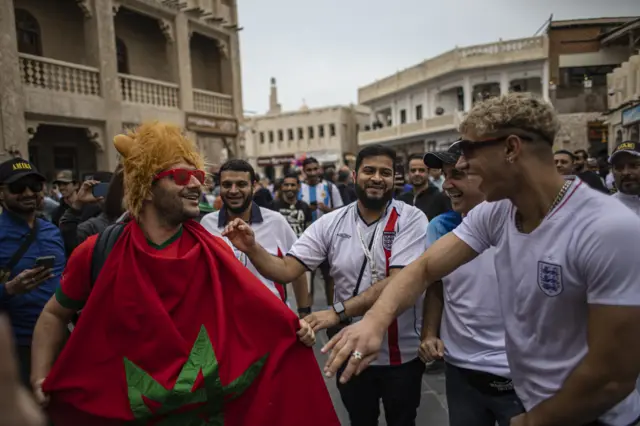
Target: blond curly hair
{"x":512,"y":111}
{"x":150,"y":149}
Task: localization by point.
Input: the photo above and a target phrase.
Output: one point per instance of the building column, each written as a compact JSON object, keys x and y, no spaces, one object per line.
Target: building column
{"x":13,"y":134}
{"x":236,"y":73}
{"x":180,"y":59}
{"x":100,"y":38}
{"x":504,"y":83}
{"x":545,"y":80}
{"x":467,"y":90}
{"x":426,"y":112}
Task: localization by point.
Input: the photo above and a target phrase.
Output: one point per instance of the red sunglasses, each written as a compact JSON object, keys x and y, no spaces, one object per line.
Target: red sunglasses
{"x":181,"y":177}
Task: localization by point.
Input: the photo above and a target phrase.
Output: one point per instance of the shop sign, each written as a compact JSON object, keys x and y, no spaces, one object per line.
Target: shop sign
{"x":631,"y":115}
{"x":212,"y":125}
{"x":276,"y":160}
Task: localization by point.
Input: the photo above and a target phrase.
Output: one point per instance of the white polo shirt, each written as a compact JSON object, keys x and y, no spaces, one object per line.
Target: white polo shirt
{"x":319,"y":193}
{"x":401,"y":239}
{"x":631,"y":201}
{"x":271,"y":230}
{"x":579,"y":255}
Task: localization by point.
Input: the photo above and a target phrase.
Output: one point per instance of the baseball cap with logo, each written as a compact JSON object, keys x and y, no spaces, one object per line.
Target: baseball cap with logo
{"x":17,"y":168}
{"x":64,"y":176}
{"x":629,"y":147}
{"x":436,"y":159}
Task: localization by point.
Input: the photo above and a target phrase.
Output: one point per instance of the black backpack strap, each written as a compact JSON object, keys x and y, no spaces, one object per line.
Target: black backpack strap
{"x":22,"y":250}
{"x":105,"y":242}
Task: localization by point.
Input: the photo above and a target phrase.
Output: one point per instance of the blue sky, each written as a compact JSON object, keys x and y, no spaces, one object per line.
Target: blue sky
{"x":322,"y":51}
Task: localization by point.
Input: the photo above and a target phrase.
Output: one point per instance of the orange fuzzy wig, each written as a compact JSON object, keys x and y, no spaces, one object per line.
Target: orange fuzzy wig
{"x":150,"y":149}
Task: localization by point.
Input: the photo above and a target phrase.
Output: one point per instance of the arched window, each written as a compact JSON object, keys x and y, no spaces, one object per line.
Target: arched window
{"x":28,"y":33}
{"x":122,"y":57}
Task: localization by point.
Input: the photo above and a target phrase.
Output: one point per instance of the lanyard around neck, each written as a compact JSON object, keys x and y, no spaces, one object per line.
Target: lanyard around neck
{"x":375,"y":275}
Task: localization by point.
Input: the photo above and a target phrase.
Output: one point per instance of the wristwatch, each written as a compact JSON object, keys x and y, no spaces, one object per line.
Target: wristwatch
{"x":304,"y":311}
{"x":339,"y":308}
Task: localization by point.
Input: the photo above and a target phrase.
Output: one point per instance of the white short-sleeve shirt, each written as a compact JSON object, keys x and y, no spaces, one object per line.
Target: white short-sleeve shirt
{"x":401,"y":239}
{"x":271,"y":230}
{"x":631,"y":201}
{"x":580,"y":254}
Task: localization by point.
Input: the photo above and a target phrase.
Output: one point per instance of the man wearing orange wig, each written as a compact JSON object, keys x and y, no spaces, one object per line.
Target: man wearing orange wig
{"x":173,"y":330}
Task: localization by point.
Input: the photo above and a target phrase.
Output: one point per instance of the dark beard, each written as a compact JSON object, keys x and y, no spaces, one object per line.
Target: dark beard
{"x":238,"y":210}
{"x":169,"y":206}
{"x":372,"y":203}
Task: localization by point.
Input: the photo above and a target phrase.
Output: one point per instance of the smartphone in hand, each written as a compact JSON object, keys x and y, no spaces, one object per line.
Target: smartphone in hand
{"x":47,"y":262}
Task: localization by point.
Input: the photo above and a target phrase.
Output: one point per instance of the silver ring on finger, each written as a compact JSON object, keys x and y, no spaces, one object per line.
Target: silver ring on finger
{"x":357,"y":355}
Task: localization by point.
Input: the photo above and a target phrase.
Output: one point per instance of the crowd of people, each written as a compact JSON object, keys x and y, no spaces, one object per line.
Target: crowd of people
{"x":160,"y":292}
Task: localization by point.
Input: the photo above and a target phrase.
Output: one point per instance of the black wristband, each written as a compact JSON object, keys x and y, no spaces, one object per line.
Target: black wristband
{"x":304,"y":311}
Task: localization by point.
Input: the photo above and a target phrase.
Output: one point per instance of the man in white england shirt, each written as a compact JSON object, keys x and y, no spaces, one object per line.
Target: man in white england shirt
{"x":237,"y":180}
{"x":566,"y":270}
{"x":625,"y":166}
{"x":364,"y":243}
{"x":464,"y":311}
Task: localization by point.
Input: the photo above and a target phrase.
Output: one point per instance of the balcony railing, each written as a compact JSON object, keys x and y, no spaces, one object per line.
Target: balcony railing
{"x":473,"y":57}
{"x":212,"y":103}
{"x":59,"y":76}
{"x":428,"y":125}
{"x":145,"y":91}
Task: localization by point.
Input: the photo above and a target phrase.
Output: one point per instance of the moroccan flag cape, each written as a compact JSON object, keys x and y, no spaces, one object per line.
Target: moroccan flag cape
{"x":188,"y":340}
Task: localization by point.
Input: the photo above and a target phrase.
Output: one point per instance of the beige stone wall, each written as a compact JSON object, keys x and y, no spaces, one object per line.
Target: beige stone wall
{"x":573,"y":134}
{"x":75,"y":82}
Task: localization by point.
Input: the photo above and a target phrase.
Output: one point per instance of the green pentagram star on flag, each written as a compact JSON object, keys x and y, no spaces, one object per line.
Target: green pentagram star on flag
{"x":208,"y":401}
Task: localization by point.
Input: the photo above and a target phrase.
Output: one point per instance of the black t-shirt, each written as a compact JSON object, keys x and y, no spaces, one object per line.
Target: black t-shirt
{"x":298,"y":215}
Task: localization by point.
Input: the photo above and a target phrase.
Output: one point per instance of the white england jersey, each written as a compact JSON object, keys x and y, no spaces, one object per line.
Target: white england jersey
{"x":271,"y":230}
{"x":396,"y":240}
{"x":472,"y":327}
{"x":320,"y":194}
{"x":580,"y":254}
{"x":631,"y":201}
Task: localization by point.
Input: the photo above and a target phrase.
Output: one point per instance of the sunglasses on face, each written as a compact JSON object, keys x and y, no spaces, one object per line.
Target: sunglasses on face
{"x":181,"y":177}
{"x":467,"y":147}
{"x":20,"y":186}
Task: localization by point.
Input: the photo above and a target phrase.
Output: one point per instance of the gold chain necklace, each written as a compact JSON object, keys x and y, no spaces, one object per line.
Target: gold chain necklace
{"x":559,"y":197}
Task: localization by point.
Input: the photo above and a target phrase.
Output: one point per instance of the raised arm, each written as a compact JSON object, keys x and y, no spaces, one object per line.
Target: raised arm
{"x":284,"y":270}
{"x":365,"y":337}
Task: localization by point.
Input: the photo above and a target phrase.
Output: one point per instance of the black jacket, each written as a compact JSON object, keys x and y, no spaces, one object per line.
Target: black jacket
{"x":74,"y":230}
{"x":431,"y":201}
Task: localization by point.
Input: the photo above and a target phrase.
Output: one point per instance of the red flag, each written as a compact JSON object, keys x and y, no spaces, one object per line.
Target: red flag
{"x":190,"y":339}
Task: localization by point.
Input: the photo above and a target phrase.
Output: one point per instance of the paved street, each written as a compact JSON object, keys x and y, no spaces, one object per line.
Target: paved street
{"x":433,"y":408}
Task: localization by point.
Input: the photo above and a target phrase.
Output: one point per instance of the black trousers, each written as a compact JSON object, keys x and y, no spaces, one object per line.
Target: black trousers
{"x":399,"y":388}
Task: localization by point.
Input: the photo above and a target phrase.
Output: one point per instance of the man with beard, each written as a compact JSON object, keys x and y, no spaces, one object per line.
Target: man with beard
{"x":173,"y":329}
{"x":237,"y":180}
{"x":625,"y":163}
{"x":296,"y":212}
{"x":32,"y":254}
{"x":424,"y":195}
{"x":364,"y":243}
{"x":568,"y":280}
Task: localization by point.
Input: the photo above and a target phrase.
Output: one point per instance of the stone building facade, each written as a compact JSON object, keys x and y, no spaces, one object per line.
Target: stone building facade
{"x":420,"y":108}
{"x":275,"y":140}
{"x":74,"y":73}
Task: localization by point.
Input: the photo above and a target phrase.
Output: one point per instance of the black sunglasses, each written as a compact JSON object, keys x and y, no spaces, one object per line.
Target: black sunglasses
{"x":19,"y":186}
{"x":467,"y":147}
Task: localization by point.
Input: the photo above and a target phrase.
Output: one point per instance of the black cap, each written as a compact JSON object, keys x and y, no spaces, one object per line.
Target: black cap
{"x":436,"y":159}
{"x":17,"y":168}
{"x":630,"y":147}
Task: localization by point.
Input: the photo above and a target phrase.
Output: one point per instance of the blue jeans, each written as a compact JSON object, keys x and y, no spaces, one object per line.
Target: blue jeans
{"x":470,"y":407}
